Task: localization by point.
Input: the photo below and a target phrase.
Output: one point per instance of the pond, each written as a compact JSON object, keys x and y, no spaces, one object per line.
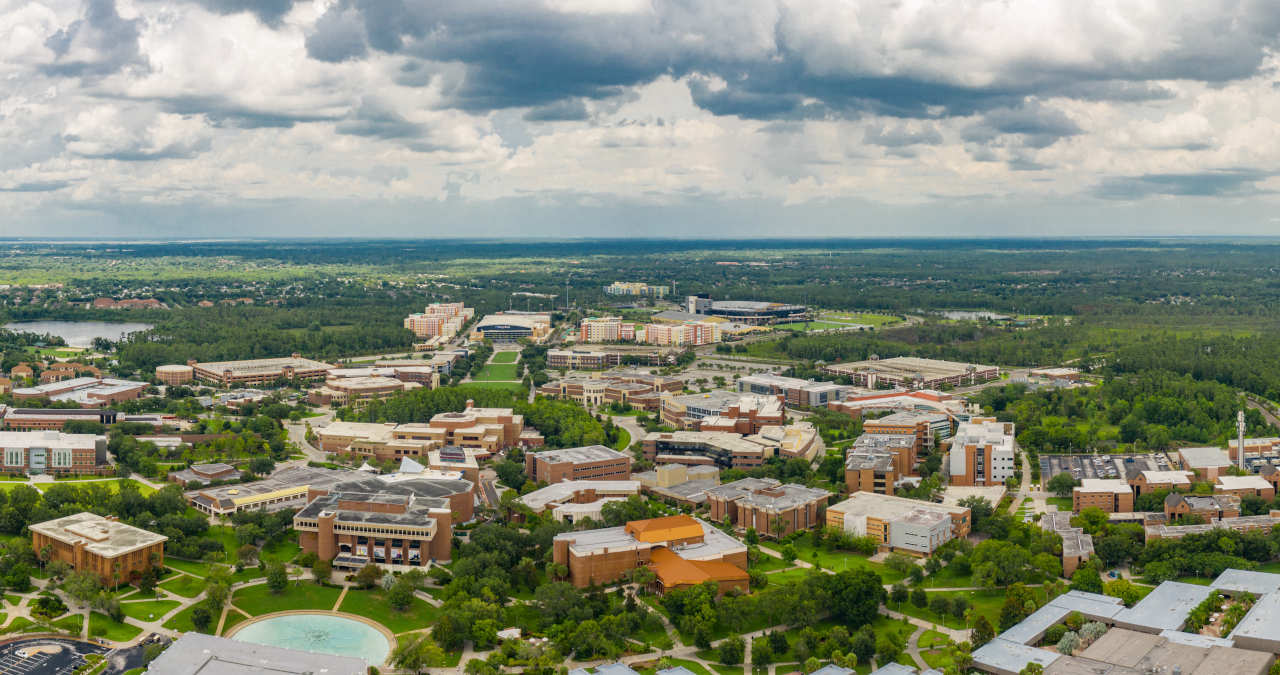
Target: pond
{"x":79,"y":333}
{"x":322,"y":633}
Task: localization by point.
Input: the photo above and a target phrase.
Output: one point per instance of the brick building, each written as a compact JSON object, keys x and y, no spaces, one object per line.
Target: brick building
{"x":204,"y":473}
{"x":397,"y":523}
{"x":38,"y":452}
{"x":748,"y":415}
{"x":1207,"y":463}
{"x":900,"y":447}
{"x":1112,"y":495}
{"x":257,"y":372}
{"x":1206,"y":507}
{"x":681,"y":550}
{"x":593,"y":462}
{"x":1146,"y":482}
{"x":928,"y":427}
{"x":356,"y":392}
{"x":795,"y":391}
{"x":116,"y":552}
{"x":1244,"y":486}
{"x":87,"y":392}
{"x":764,"y":504}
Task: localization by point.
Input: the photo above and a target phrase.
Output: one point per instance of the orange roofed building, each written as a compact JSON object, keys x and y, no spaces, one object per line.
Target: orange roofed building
{"x":681,"y":550}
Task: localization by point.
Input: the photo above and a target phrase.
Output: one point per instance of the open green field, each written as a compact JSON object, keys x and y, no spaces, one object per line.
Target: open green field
{"x":496,"y":371}
{"x":1064,"y":503}
{"x":504,"y":357}
{"x":72,"y":623}
{"x":101,"y":625}
{"x":861,"y":317}
{"x":148,"y":610}
{"x":182,"y":620}
{"x":837,"y":561}
{"x":184,"y":585}
{"x":810,"y":325}
{"x":373,"y":605}
{"x":513,"y":386}
{"x":259,"y":599}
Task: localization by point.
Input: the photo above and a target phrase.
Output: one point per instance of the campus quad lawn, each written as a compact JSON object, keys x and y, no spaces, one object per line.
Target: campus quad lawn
{"x":227,"y":536}
{"x":837,"y":561}
{"x":186,"y":586}
{"x":768,"y":563}
{"x":282,"y":550}
{"x":1063,"y":503}
{"x":233,"y":618}
{"x":101,"y":625}
{"x":810,"y":325}
{"x":947,"y":578}
{"x":182,"y":620}
{"x":512,"y":386}
{"x":200,"y":569}
{"x":73,"y":624}
{"x":259,"y":599}
{"x":373,"y":605}
{"x":504,"y":357}
{"x":497,"y":371}
{"x":22,"y":624}
{"x":140,"y":610}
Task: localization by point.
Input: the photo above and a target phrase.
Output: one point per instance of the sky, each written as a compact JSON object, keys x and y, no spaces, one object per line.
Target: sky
{"x":645,"y":118}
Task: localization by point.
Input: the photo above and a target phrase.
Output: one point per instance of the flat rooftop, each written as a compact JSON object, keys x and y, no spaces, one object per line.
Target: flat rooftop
{"x":589,"y":453}
{"x":1246,"y":581}
{"x":1250,"y":482}
{"x":100,"y":536}
{"x":588,"y":542}
{"x":888,"y":507}
{"x":1204,"y":458}
{"x":294,"y":478}
{"x":48,"y":439}
{"x":199,"y":654}
{"x":1112,"y":485}
{"x":909,"y":417}
{"x":767,"y":493}
{"x":369,"y":431}
{"x":260,"y":366}
{"x":560,"y":492}
{"x":1174,"y":477}
{"x":1164,"y":608}
{"x":722,"y":440}
{"x":1262,"y":623}
{"x":910,"y":367}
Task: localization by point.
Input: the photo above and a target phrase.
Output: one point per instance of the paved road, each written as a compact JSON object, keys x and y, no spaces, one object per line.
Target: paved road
{"x":1266,"y":413}
{"x":298,"y":434}
{"x":963,"y":391}
{"x":629,"y":424}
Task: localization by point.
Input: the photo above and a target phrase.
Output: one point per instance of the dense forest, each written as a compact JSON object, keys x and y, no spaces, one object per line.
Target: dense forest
{"x":1152,"y":409}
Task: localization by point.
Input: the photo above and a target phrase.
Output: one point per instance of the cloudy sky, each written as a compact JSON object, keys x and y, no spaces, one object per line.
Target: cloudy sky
{"x":638,"y":117}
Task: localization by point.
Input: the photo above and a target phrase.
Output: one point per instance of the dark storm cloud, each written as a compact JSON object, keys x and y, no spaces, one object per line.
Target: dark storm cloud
{"x":527,"y":55}
{"x":1230,"y":182}
{"x":1035,"y":125}
{"x":269,"y":12}
{"x":98,"y":44}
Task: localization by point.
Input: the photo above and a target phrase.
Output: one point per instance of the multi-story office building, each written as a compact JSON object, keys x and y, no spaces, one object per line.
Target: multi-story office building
{"x":1077,"y":547}
{"x":982,"y":453}
{"x":86,"y":392}
{"x":900,"y":447}
{"x":730,"y":450}
{"x":900,"y":524}
{"x":767,"y":506}
{"x":593,"y":462}
{"x":900,"y":399}
{"x":795,"y":391}
{"x":582,"y":359}
{"x":1147,"y":481}
{"x":39,"y":452}
{"x":910,"y":372}
{"x":115,"y":552}
{"x":53,"y":419}
{"x":397,"y":523}
{"x":1254,"y":447}
{"x":370,"y":440}
{"x":1207,"y":463}
{"x":928,"y":427}
{"x":461,"y":460}
{"x":606,"y":329}
{"x":357,"y":392}
{"x":1112,"y":495}
{"x":635,"y":288}
{"x":681,"y":550}
{"x":687,"y":334}
{"x":258,"y":372}
{"x":573,"y":500}
{"x":439,"y":320}
{"x":748,"y":415}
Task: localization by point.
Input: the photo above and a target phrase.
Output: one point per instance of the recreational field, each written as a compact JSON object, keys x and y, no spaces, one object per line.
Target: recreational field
{"x":504,"y":357}
{"x":810,"y":325}
{"x":876,"y":320}
{"x":497,"y":372}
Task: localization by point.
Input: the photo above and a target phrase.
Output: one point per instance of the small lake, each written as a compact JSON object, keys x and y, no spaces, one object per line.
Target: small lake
{"x":79,"y":333}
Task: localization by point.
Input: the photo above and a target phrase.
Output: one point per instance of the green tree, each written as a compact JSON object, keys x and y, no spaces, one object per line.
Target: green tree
{"x":1062,"y":484}
{"x":277,"y":578}
{"x":322,"y":570}
{"x":401,"y":595}
{"x":731,"y":650}
{"x":982,"y":632}
{"x":855,"y":596}
{"x":418,"y":654}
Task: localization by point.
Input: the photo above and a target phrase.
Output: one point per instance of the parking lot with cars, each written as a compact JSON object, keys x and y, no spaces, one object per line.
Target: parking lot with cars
{"x":45,"y":656}
{"x":1102,"y":465}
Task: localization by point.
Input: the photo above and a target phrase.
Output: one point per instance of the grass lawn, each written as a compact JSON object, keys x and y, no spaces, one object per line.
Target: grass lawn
{"x":227,"y":536}
{"x":861,"y":317}
{"x":504,"y":357}
{"x":73,"y":624}
{"x":233,"y":618}
{"x":624,"y":440}
{"x":186,"y":586}
{"x":768,"y":563}
{"x":809,"y":325}
{"x":1063,"y":503}
{"x":258,"y":599}
{"x":496,"y":371}
{"x":512,"y":386}
{"x":837,"y":561}
{"x":101,"y":625}
{"x":938,"y":658}
{"x":946,"y":578}
{"x":148,"y":610}
{"x":788,"y":576}
{"x":932,"y":638}
{"x":182,"y":620}
{"x":113,"y":485}
{"x":200,"y":569}
{"x":373,"y":605}
{"x":247,"y":574}
{"x":282,"y":550}
{"x":22,"y":624}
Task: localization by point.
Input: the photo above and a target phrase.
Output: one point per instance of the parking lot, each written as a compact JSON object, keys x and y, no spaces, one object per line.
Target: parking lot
{"x":1102,"y":465}
{"x":41,"y":656}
